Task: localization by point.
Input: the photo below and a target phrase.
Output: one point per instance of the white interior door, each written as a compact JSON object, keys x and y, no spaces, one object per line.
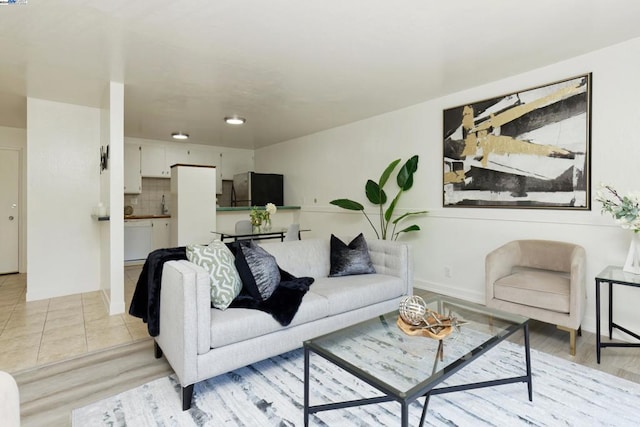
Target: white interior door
{"x":9,"y":210}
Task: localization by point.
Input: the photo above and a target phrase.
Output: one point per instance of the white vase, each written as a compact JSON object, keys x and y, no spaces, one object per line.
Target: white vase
{"x":632,"y":264}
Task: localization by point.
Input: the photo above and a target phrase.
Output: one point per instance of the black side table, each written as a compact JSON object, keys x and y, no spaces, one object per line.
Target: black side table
{"x":613,"y":276}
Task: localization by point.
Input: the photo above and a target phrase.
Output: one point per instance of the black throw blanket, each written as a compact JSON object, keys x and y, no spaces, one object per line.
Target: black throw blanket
{"x":282,"y":304}
{"x":145,"y":303}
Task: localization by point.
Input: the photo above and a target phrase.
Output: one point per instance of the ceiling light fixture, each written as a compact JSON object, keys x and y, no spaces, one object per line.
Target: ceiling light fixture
{"x":180,"y":135}
{"x":235,"y":120}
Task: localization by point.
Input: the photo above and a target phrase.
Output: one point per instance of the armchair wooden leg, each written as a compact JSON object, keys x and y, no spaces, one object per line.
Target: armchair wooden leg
{"x":572,"y":338}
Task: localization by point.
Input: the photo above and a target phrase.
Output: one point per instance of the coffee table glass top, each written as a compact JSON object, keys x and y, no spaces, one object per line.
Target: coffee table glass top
{"x":400,"y":364}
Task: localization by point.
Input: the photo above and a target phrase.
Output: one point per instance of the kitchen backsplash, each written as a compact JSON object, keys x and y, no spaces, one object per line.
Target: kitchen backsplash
{"x":149,"y":201}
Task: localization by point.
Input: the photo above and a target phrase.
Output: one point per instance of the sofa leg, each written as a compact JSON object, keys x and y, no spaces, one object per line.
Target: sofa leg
{"x":572,"y":338}
{"x":187,"y":395}
{"x":157,"y":351}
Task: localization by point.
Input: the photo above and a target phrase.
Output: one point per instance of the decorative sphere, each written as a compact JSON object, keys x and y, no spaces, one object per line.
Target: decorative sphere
{"x":413,"y":310}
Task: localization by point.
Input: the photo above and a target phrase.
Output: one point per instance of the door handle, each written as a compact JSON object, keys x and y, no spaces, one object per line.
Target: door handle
{"x":11,"y":218}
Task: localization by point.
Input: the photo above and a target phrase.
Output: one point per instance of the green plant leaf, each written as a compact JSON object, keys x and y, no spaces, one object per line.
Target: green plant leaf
{"x":403,"y":216}
{"x":387,"y":172}
{"x":413,"y":227}
{"x":375,"y":193}
{"x":377,"y":196}
{"x":392,"y":207}
{"x":406,"y":230}
{"x":405,"y":175}
{"x":348,"y":204}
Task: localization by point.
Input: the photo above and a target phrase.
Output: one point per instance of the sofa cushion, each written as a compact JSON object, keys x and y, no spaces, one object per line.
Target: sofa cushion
{"x":535,"y":288}
{"x":258,"y":270}
{"x":307,"y":257}
{"x":218,"y":261}
{"x":350,"y":259}
{"x":352,"y":292}
{"x":239,"y":324}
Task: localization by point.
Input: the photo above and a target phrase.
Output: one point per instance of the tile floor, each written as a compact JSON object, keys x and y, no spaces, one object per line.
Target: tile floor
{"x":40,"y":332}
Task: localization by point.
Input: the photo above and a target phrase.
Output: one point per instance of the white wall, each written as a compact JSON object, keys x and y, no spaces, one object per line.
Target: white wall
{"x":15,"y":138}
{"x":63,"y":186}
{"x":111,"y":185}
{"x":337,"y":162}
{"x":105,"y":187}
{"x":116,"y":199}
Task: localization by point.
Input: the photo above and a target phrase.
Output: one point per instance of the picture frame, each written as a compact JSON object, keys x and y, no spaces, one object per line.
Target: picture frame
{"x":527,"y":149}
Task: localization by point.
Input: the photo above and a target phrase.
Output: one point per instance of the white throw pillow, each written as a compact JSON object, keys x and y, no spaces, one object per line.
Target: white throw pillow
{"x":218,"y":260}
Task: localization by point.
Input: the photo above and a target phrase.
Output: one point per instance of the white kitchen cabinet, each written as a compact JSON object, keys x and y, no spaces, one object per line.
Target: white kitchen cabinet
{"x":236,"y":161}
{"x":205,"y":156}
{"x":132,"y":175}
{"x":161,"y":233}
{"x":137,"y":239}
{"x":176,"y":154}
{"x":208,"y":157}
{"x":153,"y":163}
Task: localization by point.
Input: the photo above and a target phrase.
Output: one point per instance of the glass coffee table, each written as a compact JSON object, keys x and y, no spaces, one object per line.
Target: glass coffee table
{"x":403,"y":367}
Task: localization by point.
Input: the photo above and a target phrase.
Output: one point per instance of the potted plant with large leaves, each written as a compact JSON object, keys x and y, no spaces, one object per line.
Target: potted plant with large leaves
{"x":375,"y":194}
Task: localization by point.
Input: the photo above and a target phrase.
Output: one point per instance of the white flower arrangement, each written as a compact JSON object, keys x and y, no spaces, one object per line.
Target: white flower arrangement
{"x":271,"y":208}
{"x":260,"y":216}
{"x":624,"y":208}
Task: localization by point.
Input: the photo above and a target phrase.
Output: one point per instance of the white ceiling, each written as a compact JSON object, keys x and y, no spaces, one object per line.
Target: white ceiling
{"x":291,"y":67}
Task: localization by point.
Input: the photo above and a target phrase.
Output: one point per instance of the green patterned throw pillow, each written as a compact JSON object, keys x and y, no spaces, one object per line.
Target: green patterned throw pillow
{"x":218,"y":260}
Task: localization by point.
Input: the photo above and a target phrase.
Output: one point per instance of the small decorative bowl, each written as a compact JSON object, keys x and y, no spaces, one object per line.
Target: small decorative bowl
{"x":421,"y":331}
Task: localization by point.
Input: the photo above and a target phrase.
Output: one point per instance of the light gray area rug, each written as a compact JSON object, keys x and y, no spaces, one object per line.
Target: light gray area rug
{"x":270,"y":393}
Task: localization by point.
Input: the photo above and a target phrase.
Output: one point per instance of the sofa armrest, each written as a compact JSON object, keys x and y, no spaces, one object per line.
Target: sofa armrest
{"x":9,"y":400}
{"x":394,"y":259}
{"x":499,"y":263}
{"x":185,"y":317}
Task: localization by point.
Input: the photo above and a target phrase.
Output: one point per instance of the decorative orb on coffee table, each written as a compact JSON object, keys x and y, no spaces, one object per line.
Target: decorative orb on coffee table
{"x":413,"y":310}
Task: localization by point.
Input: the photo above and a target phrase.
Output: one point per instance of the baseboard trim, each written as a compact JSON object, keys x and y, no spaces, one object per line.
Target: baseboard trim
{"x":444,"y":289}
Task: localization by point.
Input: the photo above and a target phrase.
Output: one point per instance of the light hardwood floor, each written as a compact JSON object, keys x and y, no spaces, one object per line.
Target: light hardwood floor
{"x":49,"y":393}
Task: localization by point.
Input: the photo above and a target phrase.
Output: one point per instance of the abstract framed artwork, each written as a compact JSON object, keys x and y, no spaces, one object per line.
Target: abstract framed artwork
{"x":529,"y":149}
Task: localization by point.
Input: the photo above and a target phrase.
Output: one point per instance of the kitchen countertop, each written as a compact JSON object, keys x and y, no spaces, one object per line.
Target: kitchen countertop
{"x":146,"y":216}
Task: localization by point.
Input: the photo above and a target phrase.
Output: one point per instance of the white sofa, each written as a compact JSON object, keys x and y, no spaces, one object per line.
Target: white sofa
{"x":201,"y":342}
{"x":9,"y":401}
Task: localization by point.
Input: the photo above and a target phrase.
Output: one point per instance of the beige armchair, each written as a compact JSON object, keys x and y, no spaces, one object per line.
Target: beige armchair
{"x":539,"y":279}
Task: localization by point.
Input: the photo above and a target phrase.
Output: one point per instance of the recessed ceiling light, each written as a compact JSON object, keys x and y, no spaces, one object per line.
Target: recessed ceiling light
{"x":180,"y":135}
{"x":235,"y":120}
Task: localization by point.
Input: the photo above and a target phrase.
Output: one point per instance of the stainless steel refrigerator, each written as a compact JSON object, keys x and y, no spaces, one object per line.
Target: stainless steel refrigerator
{"x":257,"y":189}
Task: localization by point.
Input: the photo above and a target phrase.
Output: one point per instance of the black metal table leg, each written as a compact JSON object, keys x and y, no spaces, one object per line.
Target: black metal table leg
{"x":405,"y":414}
{"x":598,"y":320}
{"x":306,"y":387}
{"x":527,"y":356}
{"x":610,"y":310}
{"x":424,"y":409}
